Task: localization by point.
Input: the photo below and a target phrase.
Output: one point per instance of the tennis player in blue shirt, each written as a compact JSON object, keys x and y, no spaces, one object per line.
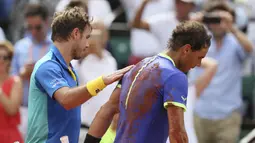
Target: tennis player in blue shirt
{"x":55,"y":97}
{"x":153,"y":94}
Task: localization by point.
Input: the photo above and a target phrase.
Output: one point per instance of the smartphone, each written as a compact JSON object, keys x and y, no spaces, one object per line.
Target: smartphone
{"x":211,"y":19}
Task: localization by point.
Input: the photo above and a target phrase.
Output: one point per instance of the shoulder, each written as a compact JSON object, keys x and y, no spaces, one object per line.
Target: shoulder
{"x":22,"y":44}
{"x":168,"y":68}
{"x":231,"y":39}
{"x":179,"y":74}
{"x":47,"y":65}
{"x":46,"y":60}
{"x":177,"y":77}
{"x":46,"y":70}
{"x":25,"y":40}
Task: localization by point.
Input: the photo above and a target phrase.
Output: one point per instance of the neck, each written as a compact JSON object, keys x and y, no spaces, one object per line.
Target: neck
{"x":40,"y":39}
{"x":218,"y":40}
{"x":175,"y":56}
{"x":3,"y":76}
{"x":65,"y":50}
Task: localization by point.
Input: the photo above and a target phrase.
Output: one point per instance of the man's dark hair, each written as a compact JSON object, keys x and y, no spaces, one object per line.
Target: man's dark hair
{"x":190,"y":32}
{"x":220,"y":5}
{"x":78,"y":3}
{"x":36,"y":10}
{"x":66,"y":21}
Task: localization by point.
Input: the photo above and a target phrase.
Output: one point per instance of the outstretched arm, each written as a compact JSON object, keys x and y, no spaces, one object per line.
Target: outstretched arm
{"x":49,"y":76}
{"x":105,"y":115}
{"x":137,"y":21}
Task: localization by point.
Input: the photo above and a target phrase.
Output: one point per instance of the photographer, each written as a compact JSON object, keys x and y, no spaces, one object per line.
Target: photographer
{"x":217,"y":111}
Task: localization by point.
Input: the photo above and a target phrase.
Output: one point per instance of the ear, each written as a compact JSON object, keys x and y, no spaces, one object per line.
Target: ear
{"x":76,"y":34}
{"x":186,"y":49}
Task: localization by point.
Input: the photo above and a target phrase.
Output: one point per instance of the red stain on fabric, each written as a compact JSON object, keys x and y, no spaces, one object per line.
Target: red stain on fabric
{"x":140,"y":104}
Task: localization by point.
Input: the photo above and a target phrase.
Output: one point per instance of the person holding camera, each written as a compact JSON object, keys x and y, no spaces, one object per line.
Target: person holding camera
{"x":217,"y":115}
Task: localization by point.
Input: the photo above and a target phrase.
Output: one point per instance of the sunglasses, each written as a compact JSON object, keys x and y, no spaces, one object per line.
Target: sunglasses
{"x":4,"y":58}
{"x":36,"y":27}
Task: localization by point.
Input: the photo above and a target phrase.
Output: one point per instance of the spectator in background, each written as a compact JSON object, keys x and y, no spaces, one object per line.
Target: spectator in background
{"x":84,"y":4}
{"x":241,"y":12}
{"x":10,"y":97}
{"x":162,"y":24}
{"x":29,"y":50}
{"x":217,"y":111}
{"x":2,"y":35}
{"x":98,"y":62}
{"x":51,"y":4}
{"x":96,"y":8}
{"x":151,"y":47}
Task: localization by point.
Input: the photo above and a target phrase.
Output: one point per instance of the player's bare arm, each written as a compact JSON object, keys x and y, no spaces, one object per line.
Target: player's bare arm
{"x":210,"y":68}
{"x":138,"y":22}
{"x":177,"y":132}
{"x":72,"y":97}
{"x":11,"y":104}
{"x":105,"y":115}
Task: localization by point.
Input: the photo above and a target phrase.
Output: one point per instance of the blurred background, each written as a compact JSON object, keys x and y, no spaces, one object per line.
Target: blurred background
{"x":127,"y":31}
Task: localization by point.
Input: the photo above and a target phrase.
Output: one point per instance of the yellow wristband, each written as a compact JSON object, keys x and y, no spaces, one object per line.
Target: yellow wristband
{"x":95,"y":86}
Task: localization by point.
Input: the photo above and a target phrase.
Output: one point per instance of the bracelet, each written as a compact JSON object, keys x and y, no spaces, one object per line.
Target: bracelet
{"x":91,"y":139}
{"x":95,"y":86}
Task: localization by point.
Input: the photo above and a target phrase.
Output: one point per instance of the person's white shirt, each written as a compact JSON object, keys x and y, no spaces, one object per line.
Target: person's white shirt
{"x":152,"y":45}
{"x":160,"y":6}
{"x":188,"y":115}
{"x":99,"y":8}
{"x":162,"y":26}
{"x":90,"y":68}
{"x":2,"y":35}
